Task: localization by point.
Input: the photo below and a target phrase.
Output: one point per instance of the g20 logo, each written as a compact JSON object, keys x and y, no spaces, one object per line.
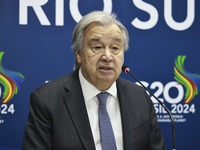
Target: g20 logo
{"x":183,"y":78}
{"x":161,"y":89}
{"x":9,"y":86}
{"x":176,"y":106}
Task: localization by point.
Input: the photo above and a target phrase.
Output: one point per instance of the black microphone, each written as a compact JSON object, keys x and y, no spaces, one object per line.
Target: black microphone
{"x":127,"y":70}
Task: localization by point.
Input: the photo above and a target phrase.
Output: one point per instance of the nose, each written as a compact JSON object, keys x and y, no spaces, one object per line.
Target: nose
{"x":107,"y":55}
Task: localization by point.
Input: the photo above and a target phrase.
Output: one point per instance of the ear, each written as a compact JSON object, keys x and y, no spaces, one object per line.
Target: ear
{"x":78,"y":56}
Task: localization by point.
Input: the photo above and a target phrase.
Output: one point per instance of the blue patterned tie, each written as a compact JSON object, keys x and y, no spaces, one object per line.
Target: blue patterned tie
{"x":107,"y":136}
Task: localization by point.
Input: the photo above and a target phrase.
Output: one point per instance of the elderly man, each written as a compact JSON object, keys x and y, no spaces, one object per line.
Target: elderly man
{"x":92,"y":107}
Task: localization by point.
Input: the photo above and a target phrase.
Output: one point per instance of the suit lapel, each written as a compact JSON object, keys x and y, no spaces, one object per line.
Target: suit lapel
{"x":75,"y":104}
{"x":123,"y":95}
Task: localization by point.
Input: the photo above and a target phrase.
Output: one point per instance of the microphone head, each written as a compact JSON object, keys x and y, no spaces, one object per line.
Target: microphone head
{"x":125,"y":69}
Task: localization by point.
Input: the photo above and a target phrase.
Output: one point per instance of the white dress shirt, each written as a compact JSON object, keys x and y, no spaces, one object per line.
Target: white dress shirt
{"x":92,"y":104}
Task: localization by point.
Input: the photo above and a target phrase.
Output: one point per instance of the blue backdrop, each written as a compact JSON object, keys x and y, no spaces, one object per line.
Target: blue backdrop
{"x":35,"y":47}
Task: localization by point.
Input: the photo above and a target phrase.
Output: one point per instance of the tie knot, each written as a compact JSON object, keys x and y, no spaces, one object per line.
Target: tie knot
{"x":102,"y":98}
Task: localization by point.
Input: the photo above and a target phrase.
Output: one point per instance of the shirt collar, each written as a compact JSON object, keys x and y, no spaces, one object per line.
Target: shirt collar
{"x":90,"y":91}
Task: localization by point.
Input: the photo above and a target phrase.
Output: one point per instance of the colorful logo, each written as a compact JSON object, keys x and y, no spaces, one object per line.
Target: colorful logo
{"x":10,"y":80}
{"x":189,"y":80}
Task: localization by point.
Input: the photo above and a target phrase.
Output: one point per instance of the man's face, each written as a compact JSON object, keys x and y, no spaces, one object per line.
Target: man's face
{"x":103,"y":54}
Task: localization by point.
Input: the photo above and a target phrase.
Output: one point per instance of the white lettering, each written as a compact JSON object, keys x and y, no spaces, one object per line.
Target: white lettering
{"x":180,"y":92}
{"x":36,"y":5}
{"x":76,"y":15}
{"x":59,"y":12}
{"x":179,"y":26}
{"x":5,"y":109}
{"x":159,"y":91}
{"x":150,"y":10}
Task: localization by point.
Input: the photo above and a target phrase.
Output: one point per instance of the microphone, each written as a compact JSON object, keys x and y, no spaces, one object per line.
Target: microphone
{"x":127,"y":70}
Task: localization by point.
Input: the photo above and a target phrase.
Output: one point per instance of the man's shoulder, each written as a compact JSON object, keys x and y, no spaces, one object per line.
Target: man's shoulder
{"x":59,"y":83}
{"x":127,"y":83}
{"x":129,"y":86}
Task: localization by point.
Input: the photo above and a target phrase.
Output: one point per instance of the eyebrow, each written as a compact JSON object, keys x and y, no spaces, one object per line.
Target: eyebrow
{"x":94,"y":40}
{"x":117,"y":39}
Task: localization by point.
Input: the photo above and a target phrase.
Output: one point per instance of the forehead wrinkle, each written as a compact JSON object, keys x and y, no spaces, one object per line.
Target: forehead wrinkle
{"x":117,"y":39}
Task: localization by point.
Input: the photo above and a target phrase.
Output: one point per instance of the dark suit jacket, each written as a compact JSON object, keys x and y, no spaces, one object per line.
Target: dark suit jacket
{"x":58,"y":118}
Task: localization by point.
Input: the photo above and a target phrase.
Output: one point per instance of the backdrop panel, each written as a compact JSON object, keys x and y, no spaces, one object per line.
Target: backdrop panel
{"x":35,"y":47}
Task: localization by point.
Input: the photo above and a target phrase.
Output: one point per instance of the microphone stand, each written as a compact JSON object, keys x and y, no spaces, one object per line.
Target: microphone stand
{"x":127,"y":70}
